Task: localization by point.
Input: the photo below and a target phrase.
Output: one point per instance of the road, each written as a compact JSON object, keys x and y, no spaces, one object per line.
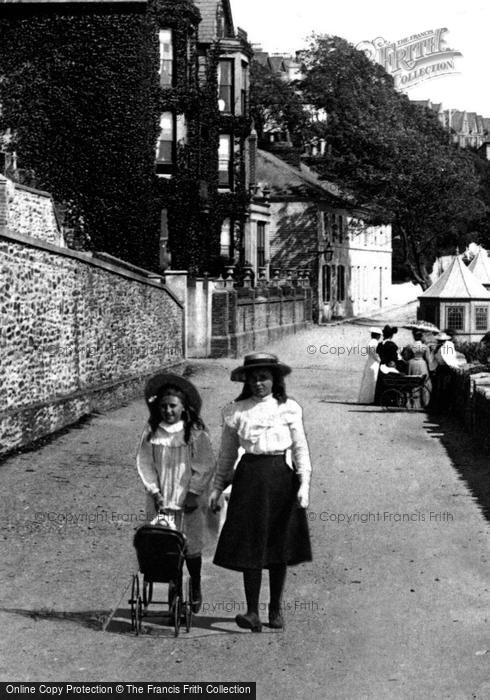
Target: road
{"x":394,"y":605}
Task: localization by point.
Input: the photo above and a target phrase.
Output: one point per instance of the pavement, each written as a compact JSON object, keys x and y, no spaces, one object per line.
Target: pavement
{"x":394,"y":605}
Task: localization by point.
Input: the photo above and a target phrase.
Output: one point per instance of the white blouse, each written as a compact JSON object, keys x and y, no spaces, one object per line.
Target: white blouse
{"x":167,"y":464}
{"x":262,"y":426}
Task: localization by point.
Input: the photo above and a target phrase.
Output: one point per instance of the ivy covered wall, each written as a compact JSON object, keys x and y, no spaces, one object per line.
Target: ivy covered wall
{"x":79,"y":94}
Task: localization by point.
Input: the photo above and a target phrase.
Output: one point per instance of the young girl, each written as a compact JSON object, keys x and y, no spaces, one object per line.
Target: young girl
{"x":175,"y":462}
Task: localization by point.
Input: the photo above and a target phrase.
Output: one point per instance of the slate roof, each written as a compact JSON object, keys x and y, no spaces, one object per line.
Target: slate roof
{"x":287,"y":182}
{"x":208,"y":9}
{"x":457,"y":282}
{"x":480,"y":266}
{"x":456,"y":120}
{"x":277,"y":64}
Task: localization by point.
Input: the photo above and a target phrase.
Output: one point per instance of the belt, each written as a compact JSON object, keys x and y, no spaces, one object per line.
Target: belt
{"x":252,"y":455}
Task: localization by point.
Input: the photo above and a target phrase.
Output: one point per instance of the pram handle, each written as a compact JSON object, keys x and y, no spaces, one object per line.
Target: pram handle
{"x":173,"y":513}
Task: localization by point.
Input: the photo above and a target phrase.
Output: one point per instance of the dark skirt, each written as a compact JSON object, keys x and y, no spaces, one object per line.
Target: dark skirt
{"x":264,"y":524}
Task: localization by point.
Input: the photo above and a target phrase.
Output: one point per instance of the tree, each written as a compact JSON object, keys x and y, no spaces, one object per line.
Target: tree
{"x":393,"y":156}
{"x":275,"y":102}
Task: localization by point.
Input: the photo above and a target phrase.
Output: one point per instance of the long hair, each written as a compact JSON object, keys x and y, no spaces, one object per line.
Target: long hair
{"x":278,"y":388}
{"x":190,"y":417}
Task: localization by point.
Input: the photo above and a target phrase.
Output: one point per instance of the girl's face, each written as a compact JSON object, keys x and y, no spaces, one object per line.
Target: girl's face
{"x":171,"y":408}
{"x":260,"y":382}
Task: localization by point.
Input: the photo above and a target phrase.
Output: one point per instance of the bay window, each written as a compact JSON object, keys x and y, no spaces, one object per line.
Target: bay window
{"x":165,"y":155}
{"x":225,"y":86}
{"x":166,"y":57}
{"x":225,"y":161}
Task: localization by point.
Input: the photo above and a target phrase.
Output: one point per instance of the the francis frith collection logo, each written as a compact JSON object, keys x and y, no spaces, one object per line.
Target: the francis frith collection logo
{"x":414,"y":59}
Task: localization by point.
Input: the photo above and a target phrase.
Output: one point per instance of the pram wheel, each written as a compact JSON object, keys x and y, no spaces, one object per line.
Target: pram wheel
{"x":147,"y":592}
{"x":171,"y":594}
{"x":188,"y":607}
{"x":136,"y":605}
{"x":177,"y":611}
{"x":392,"y":398}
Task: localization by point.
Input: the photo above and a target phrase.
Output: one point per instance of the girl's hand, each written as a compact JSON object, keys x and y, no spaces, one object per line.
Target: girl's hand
{"x":214,"y":500}
{"x":159,"y":502}
{"x":303,"y":496}
{"x":191,"y":502}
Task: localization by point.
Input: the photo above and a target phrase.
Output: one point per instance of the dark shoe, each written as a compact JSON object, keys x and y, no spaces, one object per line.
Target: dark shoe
{"x":275,"y":620}
{"x":196,"y":598}
{"x":251,"y":621}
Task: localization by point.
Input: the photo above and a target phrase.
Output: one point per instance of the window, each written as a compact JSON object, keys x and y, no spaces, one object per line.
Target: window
{"x":244,"y":89}
{"x":340,"y":283}
{"x":225,"y":86}
{"x":202,"y":70}
{"x":225,"y":239}
{"x":166,"y":142}
{"x":164,"y":253}
{"x":225,"y":161}
{"x":166,"y":57}
{"x":327,"y":226}
{"x":455,"y":318}
{"x":341,"y":228}
{"x":481,"y":320}
{"x":260,"y":243}
{"x":326,"y":282}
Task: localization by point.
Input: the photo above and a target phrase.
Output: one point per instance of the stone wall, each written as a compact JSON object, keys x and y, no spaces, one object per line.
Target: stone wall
{"x":78,"y":334}
{"x":249,"y":319}
{"x":29,"y":212}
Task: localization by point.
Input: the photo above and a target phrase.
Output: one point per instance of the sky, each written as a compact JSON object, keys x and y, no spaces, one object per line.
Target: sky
{"x":284,"y":25}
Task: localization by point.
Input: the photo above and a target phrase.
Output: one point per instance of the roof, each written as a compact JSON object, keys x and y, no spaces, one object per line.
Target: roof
{"x":288,"y":182}
{"x":209,"y":10}
{"x":457,"y":282}
{"x":434,"y":106}
{"x":277,"y":64}
{"x":480,"y":266}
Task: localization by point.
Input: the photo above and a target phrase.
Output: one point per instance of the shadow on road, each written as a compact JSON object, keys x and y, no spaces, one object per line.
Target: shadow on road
{"x":160,"y":624}
{"x":154,"y":623}
{"x":93,"y":619}
{"x":471,"y":463}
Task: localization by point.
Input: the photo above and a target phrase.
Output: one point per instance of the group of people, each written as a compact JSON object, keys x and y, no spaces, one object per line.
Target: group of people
{"x":266,"y":525}
{"x":429,"y":355}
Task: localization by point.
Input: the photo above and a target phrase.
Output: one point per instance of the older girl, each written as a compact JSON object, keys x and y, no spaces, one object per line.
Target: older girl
{"x":266,"y":525}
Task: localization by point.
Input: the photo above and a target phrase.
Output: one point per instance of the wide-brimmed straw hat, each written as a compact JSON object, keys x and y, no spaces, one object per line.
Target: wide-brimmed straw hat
{"x":443,"y":336}
{"x":159,"y":381}
{"x":375,"y":331}
{"x":259,"y":360}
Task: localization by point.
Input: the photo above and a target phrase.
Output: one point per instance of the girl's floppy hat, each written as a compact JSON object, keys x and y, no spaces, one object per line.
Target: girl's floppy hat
{"x":259,"y":360}
{"x":159,"y":381}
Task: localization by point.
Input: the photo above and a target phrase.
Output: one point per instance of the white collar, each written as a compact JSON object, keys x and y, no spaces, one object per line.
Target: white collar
{"x":172,"y":427}
{"x":264,"y":399}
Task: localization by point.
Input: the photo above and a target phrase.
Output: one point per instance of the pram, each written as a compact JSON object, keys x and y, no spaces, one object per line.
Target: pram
{"x":404,"y":391}
{"x":160,"y":549}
